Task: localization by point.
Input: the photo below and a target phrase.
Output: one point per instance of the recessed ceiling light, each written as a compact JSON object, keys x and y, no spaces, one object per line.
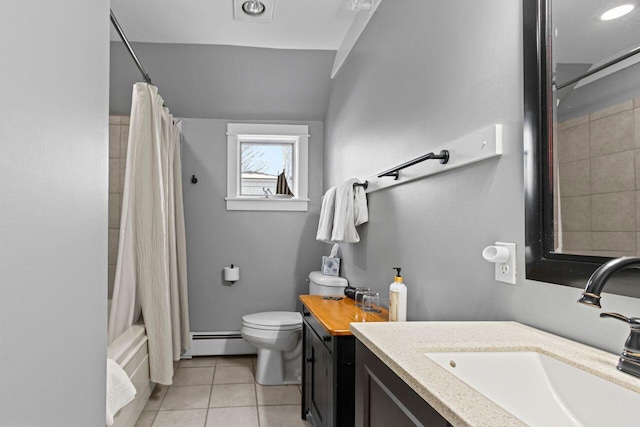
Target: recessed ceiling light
{"x":253,"y":7}
{"x":616,"y":12}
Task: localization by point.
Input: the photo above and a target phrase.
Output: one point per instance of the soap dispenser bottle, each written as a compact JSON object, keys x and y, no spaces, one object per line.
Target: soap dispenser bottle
{"x":397,"y":299}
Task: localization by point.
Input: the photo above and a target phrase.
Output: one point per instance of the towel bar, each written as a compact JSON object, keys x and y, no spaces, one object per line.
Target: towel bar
{"x":485,"y":143}
{"x":395,"y":172}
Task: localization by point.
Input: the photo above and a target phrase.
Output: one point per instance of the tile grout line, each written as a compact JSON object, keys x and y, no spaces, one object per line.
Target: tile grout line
{"x":255,"y":389}
{"x":159,"y":404}
{"x":206,"y":416}
{"x":154,"y":416}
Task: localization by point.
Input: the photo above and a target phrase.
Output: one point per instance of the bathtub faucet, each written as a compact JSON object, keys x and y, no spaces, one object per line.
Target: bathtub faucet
{"x":630,"y":358}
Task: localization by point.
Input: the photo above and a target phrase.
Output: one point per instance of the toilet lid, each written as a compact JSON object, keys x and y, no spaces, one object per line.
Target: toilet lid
{"x":274,"y":318}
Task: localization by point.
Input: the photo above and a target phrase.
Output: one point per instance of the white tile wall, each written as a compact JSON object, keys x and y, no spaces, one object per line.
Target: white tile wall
{"x":118,"y":139}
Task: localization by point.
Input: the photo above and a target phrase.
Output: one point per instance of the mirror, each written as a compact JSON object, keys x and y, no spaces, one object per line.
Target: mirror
{"x":582,"y":140}
{"x":593,"y":142}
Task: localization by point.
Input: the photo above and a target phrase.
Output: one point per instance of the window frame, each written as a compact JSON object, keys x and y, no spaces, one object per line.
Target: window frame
{"x":298,"y":135}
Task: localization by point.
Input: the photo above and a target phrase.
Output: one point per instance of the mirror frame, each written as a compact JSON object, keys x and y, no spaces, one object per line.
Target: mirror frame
{"x":542,"y":264}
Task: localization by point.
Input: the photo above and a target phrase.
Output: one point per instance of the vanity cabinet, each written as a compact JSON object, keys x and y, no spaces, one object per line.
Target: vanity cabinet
{"x":383,"y":399}
{"x":328,"y":357}
{"x":328,"y":376}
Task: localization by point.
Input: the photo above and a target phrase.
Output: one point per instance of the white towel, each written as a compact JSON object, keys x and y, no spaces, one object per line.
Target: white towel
{"x":120,"y":389}
{"x":350,"y":210}
{"x":325,"y":225}
{"x":361,"y":210}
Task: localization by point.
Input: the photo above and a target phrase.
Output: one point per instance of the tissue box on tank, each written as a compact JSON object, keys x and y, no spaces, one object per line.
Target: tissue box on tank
{"x":330,"y":266}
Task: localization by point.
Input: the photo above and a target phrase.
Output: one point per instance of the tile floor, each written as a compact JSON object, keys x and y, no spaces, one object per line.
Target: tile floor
{"x":221,"y":391}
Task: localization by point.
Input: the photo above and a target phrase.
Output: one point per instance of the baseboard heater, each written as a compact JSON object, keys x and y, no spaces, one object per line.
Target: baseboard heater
{"x":218,"y":344}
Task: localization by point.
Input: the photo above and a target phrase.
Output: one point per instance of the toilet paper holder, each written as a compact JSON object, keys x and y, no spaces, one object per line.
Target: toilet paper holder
{"x":231,"y":274}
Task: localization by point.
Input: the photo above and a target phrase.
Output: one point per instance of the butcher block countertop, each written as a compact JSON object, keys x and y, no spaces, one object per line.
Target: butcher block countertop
{"x":335,"y":316}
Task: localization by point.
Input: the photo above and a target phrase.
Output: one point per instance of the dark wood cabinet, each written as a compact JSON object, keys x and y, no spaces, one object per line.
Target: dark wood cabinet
{"x":383,"y":399}
{"x":328,"y":376}
{"x":319,"y":385}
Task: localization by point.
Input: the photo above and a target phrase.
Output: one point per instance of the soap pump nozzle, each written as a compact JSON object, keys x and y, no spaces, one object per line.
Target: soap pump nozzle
{"x":398,"y":276}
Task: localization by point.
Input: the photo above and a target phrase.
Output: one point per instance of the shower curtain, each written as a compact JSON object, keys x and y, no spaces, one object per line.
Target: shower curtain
{"x":151,"y":275}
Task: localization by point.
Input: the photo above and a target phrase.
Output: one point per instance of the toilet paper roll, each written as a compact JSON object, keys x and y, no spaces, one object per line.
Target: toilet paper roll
{"x":231,"y":274}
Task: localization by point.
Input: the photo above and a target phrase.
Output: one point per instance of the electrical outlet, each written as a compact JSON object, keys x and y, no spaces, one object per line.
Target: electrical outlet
{"x":507,"y":272}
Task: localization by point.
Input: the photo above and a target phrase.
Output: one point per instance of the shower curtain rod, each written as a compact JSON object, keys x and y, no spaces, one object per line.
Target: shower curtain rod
{"x":118,"y":28}
{"x":621,"y":58}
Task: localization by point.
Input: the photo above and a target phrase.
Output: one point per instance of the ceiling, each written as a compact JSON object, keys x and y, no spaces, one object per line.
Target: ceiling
{"x":583,"y":38}
{"x":582,"y":41}
{"x":296,"y":24}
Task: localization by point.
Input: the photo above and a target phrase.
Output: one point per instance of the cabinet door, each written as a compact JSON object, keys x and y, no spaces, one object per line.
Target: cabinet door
{"x":306,"y":369}
{"x":321,"y":387}
{"x":344,"y":380}
{"x":383,"y":399}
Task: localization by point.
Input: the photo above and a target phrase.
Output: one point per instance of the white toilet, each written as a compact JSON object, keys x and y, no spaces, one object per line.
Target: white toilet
{"x":278,"y":335}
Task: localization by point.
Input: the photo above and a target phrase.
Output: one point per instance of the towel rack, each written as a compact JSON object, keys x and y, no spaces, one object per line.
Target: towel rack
{"x":395,"y":172}
{"x":475,"y":147}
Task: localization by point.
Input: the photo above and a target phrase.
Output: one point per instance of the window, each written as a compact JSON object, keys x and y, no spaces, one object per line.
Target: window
{"x":263,"y":165}
{"x":267,"y":167}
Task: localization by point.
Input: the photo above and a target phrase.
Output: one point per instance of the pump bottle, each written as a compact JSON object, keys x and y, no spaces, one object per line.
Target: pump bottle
{"x":397,"y":299}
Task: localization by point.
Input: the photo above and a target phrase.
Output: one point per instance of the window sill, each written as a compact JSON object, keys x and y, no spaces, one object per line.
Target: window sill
{"x":264,"y":204}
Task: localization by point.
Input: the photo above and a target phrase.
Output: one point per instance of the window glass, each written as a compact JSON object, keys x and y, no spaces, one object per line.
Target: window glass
{"x":266,"y":169}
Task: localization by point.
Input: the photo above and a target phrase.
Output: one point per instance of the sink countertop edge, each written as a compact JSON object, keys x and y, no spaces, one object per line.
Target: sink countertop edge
{"x":402,"y":346}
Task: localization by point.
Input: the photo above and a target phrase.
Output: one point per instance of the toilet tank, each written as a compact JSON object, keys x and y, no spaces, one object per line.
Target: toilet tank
{"x":319,"y":284}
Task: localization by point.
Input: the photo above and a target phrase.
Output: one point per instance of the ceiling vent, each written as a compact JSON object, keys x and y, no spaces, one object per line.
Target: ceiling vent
{"x":242,"y":10}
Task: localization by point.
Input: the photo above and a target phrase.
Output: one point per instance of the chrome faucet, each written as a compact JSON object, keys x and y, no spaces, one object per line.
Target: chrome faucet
{"x":630,"y":358}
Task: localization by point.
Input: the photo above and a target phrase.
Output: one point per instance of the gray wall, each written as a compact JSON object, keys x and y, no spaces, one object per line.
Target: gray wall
{"x":274,"y":250}
{"x":53,"y":215}
{"x":422,"y":73}
{"x":227,"y":81}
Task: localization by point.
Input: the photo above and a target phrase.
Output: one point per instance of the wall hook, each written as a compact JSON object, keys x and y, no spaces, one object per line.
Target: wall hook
{"x":194,"y":180}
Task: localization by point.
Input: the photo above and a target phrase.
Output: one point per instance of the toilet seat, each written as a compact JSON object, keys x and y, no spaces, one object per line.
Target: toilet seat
{"x":273,"y":321}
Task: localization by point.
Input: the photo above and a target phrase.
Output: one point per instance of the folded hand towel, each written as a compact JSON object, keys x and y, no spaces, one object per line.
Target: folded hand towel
{"x":120,"y":389}
{"x":325,"y":225}
{"x":348,"y":212}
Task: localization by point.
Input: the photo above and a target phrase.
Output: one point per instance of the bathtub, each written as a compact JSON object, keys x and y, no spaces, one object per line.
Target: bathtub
{"x":131,"y":353}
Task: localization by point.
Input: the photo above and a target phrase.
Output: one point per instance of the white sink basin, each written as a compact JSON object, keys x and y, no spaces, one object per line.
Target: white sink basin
{"x":543,"y":391}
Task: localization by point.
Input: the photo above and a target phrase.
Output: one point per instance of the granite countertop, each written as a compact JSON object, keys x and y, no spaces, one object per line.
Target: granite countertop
{"x":401,"y":346}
